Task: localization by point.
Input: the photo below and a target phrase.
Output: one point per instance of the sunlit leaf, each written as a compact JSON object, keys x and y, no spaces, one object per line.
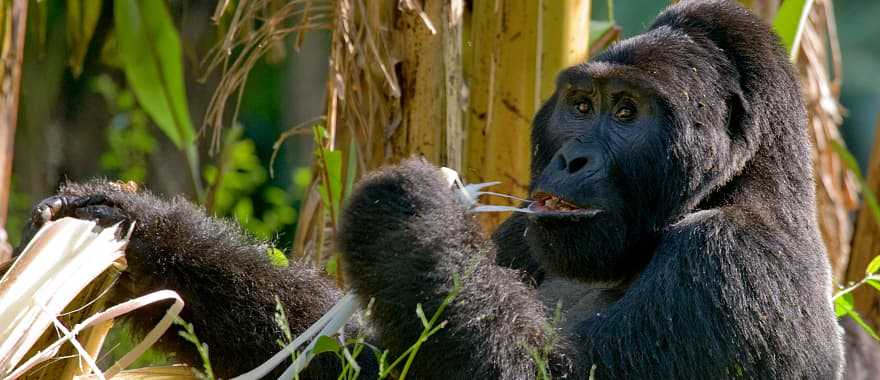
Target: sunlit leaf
{"x":351,"y":166}
{"x":874,"y":284}
{"x":331,"y":265}
{"x":873,"y":266}
{"x":276,"y":256}
{"x":790,"y":21}
{"x":82,"y":17}
{"x":843,"y":305}
{"x":325,"y":344}
{"x":332,"y":164}
{"x":149,"y":48}
{"x":861,"y":322}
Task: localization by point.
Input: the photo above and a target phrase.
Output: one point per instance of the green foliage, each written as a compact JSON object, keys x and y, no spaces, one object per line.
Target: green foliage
{"x":277,"y":258}
{"x":845,"y":306}
{"x":149,"y":48}
{"x":120,"y":341}
{"x":348,"y":351}
{"x":82,"y":17}
{"x":332,"y":264}
{"x":873,"y":266}
{"x":332,"y":187}
{"x":244,"y":178}
{"x":790,"y":21}
{"x":844,"y":303}
{"x":330,"y":165}
{"x":189,"y":334}
{"x":347,"y":357}
{"x":323,"y":344}
{"x":130,"y":142}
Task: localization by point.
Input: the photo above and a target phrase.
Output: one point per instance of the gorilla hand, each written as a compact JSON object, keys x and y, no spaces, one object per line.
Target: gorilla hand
{"x":98,"y":204}
{"x":405,"y":234}
{"x":404,"y":202}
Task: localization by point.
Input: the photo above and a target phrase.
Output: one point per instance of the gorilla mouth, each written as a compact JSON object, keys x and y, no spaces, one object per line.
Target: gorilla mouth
{"x":550,"y":205}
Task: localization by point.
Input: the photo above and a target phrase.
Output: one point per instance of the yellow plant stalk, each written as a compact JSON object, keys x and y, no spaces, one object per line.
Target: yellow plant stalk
{"x":518,"y":48}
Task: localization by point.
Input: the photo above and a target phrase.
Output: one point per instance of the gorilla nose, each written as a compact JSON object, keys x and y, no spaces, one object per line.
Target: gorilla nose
{"x":573,"y":162}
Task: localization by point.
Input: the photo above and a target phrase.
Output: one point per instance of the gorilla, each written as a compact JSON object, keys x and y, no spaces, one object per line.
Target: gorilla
{"x":672,"y":224}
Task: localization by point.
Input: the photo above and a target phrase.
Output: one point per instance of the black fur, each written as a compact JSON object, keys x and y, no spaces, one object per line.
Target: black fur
{"x":702,"y":261}
{"x":224,"y":276}
{"x":862,"y":353}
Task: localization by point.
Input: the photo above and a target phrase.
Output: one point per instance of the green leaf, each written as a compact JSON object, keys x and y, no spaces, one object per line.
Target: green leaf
{"x":333,"y":165}
{"x":861,"y":322}
{"x":853,"y":166}
{"x":321,"y":134}
{"x":149,"y":48}
{"x":277,"y":258}
{"x":331,"y":265}
{"x":790,"y":21}
{"x":874,"y":284}
{"x":325,"y":344}
{"x":873,"y":266}
{"x":82,"y":17}
{"x":843,"y":305}
{"x":333,"y":160}
{"x":351,"y":166}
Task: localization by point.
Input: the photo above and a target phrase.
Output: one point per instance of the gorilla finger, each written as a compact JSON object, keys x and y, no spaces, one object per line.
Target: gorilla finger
{"x":49,"y":209}
{"x":103,"y":214}
{"x":59,"y":206}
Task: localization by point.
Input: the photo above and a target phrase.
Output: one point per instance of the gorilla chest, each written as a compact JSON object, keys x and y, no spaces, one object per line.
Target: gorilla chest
{"x":577,"y":300}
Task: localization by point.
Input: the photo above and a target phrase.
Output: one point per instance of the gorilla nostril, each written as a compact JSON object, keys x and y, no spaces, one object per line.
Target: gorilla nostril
{"x":576,"y":164}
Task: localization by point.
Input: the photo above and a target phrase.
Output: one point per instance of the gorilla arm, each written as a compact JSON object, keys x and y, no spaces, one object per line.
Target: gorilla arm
{"x":709,"y":305}
{"x":404,"y":236}
{"x":512,"y":250}
{"x":223,"y":275}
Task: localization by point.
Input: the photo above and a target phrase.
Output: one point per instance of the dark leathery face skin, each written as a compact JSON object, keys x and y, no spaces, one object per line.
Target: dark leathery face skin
{"x":605,"y":136}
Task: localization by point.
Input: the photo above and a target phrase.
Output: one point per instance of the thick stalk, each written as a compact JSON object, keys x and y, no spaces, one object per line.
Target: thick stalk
{"x":518,"y":48}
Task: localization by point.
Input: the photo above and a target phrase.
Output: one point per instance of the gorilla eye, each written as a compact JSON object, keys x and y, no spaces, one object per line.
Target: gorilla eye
{"x":625,"y":113}
{"x":583,"y":106}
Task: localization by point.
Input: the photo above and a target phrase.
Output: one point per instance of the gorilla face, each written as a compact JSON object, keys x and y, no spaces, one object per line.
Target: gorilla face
{"x":601,"y":159}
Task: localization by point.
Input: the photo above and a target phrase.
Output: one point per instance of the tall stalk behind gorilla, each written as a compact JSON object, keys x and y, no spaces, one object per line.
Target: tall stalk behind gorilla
{"x":673,"y":218}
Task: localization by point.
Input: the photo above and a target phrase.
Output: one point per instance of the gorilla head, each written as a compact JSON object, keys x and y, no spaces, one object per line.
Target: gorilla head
{"x":681,"y":118}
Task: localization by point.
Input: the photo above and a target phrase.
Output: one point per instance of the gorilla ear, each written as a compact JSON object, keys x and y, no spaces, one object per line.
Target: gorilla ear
{"x":743,"y":127}
{"x":738,"y":124}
